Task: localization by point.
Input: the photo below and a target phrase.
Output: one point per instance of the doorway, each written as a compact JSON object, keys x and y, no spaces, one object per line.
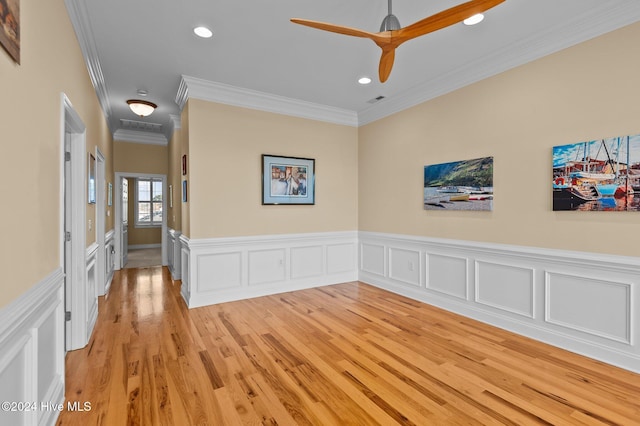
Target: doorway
{"x":79,"y":300}
{"x":123,"y":196}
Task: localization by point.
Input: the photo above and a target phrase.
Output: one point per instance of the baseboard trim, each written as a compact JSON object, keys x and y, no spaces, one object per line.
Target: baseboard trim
{"x":144,"y":246}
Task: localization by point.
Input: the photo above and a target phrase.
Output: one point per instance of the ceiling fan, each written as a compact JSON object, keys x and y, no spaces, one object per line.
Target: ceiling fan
{"x":391,"y":35}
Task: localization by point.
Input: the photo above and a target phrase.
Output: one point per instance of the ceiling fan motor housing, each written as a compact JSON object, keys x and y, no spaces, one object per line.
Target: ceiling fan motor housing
{"x":390,"y":23}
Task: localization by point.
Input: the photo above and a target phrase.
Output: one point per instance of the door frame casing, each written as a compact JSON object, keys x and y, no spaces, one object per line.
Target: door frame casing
{"x":118,"y":213}
{"x":75,"y":280}
{"x":101,"y":274}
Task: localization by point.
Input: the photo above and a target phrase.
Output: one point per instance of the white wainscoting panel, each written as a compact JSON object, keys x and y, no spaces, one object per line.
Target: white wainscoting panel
{"x":373,"y":260}
{"x":110,"y":259}
{"x":404,"y":265}
{"x":174,"y":254}
{"x":341,"y":258}
{"x":604,"y":309}
{"x":185,"y":255}
{"x":505,"y":287}
{"x":266,"y":266}
{"x":447,"y":275}
{"x":307,"y":262}
{"x":219,"y":270}
{"x":587,"y":303}
{"x":32,"y":352}
{"x":91,"y":282}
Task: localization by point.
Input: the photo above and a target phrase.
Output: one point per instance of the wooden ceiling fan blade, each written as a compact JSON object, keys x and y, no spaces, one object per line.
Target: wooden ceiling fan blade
{"x":445,"y":18}
{"x":335,"y":28}
{"x":386,"y":63}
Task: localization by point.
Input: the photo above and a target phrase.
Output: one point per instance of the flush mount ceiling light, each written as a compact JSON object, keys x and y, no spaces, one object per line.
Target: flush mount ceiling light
{"x":364,"y":80}
{"x":475,"y":19}
{"x":141,"y":108}
{"x":203,"y":32}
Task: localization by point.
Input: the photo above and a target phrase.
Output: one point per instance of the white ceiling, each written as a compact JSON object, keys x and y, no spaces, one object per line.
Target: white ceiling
{"x":257,"y":52}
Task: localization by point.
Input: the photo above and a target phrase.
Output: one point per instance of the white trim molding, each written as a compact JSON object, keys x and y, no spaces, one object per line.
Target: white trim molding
{"x":110,"y":261}
{"x":138,"y":136}
{"x":216,"y":270}
{"x":191,"y":87}
{"x":587,"y":303}
{"x":146,"y":246}
{"x":32,"y":352}
{"x":174,"y":254}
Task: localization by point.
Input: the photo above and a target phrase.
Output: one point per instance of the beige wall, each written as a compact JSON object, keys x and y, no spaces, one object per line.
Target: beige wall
{"x":174,"y":178}
{"x":184,"y":150}
{"x":586,"y":92}
{"x":140,"y":158}
{"x":51,"y":64}
{"x":225,"y":145}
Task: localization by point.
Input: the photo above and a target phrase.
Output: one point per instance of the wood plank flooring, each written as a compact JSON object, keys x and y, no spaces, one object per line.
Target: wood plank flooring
{"x":347,"y":354}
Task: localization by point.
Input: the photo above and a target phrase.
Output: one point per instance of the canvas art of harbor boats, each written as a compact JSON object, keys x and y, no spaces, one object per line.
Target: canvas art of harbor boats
{"x":600,"y":175}
{"x":459,"y":185}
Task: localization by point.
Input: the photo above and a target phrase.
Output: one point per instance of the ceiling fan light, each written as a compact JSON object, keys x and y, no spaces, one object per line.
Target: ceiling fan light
{"x":203,"y":32}
{"x":141,"y":108}
{"x":475,"y":19}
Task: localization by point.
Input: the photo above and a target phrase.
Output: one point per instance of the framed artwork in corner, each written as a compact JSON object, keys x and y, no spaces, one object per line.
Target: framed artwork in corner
{"x":184,"y":165}
{"x":171,"y":196}
{"x":288,"y":180}
{"x":10,"y":28}
{"x":110,"y":195}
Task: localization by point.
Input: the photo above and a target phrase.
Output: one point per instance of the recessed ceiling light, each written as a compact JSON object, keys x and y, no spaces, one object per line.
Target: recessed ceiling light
{"x":364,"y":80}
{"x":475,"y":19}
{"x":203,"y":32}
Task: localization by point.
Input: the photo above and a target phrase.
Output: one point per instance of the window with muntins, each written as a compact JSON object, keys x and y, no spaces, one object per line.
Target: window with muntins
{"x":148,"y":202}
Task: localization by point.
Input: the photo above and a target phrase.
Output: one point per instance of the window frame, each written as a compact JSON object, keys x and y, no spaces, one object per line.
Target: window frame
{"x":152,"y":223}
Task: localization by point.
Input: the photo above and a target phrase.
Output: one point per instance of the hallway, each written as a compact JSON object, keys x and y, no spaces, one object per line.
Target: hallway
{"x":144,"y":258}
{"x":341,"y":354}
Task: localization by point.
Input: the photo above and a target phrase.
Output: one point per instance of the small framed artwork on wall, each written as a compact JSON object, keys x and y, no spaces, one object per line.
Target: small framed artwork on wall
{"x":184,"y":165}
{"x":91,"y":184}
{"x":184,"y":191}
{"x":288,"y":180}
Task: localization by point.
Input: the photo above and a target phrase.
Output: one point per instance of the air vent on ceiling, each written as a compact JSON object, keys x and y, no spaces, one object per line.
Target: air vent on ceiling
{"x":376,"y":99}
{"x":141,"y":126}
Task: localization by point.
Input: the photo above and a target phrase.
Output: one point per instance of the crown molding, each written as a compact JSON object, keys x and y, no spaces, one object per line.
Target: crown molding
{"x":79,"y":17}
{"x":124,"y":135}
{"x":596,"y":22}
{"x":176,"y":122}
{"x":191,"y":87}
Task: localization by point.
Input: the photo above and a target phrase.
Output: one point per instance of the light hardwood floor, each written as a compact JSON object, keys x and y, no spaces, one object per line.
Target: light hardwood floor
{"x":347,"y":354}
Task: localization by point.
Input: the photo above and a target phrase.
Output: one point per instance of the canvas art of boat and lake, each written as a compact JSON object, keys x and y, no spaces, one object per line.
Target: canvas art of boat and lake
{"x":459,"y":185}
{"x":599,"y":175}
